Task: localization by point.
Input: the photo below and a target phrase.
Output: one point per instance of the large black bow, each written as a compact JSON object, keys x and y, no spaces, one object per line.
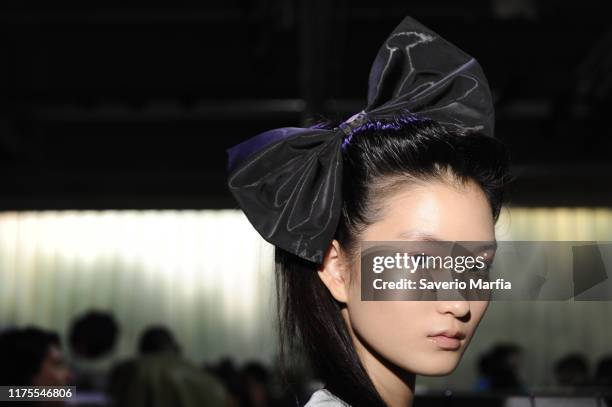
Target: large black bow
{"x":288,"y":181}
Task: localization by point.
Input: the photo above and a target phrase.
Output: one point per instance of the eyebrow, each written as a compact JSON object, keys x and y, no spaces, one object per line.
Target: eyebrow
{"x":427,"y":237}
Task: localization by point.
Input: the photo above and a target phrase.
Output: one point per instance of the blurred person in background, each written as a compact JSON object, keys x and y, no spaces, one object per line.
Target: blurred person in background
{"x":255,"y":385}
{"x":572,"y":371}
{"x":499,"y":369}
{"x":160,"y":376}
{"x":603,"y":373}
{"x":227,"y":373}
{"x":32,"y":357}
{"x":92,"y":338}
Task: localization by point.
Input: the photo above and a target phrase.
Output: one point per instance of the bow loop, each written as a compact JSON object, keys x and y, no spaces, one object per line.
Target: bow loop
{"x":290,"y":189}
{"x":419,"y":71}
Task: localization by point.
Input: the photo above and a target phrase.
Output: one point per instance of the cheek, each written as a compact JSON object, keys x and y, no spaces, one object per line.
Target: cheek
{"x":395,"y":330}
{"x":398,"y":331}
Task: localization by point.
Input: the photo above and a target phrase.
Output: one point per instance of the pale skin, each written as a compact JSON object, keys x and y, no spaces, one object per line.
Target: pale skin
{"x":394,"y":338}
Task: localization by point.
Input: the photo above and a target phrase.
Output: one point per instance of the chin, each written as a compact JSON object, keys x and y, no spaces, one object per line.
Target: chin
{"x":441,"y":365}
{"x":437,"y":371}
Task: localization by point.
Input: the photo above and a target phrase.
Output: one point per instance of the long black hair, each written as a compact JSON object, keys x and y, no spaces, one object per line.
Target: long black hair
{"x":378,"y":157}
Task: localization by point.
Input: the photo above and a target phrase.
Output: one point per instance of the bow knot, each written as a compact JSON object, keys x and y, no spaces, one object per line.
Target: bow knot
{"x":353,"y":122}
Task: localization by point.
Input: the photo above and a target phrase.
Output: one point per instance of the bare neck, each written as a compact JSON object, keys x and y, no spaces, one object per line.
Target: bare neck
{"x":395,"y":386}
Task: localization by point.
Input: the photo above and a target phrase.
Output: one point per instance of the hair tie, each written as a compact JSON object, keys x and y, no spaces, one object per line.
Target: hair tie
{"x":353,"y":122}
{"x":288,"y":181}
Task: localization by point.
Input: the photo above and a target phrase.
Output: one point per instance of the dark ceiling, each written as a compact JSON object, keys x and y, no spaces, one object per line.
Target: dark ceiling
{"x":104,"y":106}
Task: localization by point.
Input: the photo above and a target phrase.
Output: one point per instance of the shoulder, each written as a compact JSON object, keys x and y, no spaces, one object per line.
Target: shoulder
{"x":324,"y":398}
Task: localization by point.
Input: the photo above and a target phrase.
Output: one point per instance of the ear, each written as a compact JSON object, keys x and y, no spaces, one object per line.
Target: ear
{"x":334,"y":272}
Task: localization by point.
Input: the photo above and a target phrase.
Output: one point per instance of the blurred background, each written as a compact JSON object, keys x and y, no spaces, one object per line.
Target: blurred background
{"x":117,"y":231}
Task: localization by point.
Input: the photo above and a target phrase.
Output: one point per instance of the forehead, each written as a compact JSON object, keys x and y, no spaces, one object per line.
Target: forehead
{"x":449,"y":211}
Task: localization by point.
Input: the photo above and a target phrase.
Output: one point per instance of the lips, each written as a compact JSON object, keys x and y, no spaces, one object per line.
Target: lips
{"x":447,"y":339}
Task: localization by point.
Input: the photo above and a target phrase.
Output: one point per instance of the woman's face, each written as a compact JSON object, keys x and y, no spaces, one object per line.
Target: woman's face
{"x":414,"y":335}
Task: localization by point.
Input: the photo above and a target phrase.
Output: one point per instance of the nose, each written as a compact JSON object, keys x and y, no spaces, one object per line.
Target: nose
{"x":458,"y":309}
